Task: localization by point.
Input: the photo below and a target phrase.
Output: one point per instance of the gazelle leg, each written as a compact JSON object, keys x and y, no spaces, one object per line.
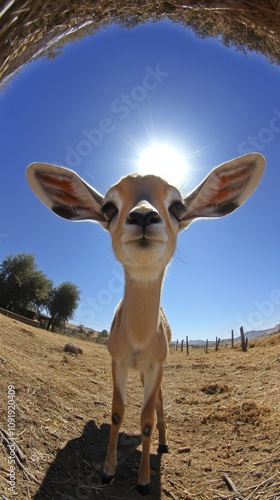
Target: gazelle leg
{"x":151,"y":379}
{"x":120,"y":372}
{"x":161,"y":425}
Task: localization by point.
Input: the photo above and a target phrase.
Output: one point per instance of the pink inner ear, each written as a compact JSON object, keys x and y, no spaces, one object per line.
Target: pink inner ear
{"x":59,"y":182}
{"x":67,"y":199}
{"x":230,"y":184}
{"x":230,"y":177}
{"x":221,"y":196}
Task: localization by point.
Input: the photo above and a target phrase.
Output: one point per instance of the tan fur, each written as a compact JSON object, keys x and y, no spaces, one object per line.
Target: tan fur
{"x":145,"y":215}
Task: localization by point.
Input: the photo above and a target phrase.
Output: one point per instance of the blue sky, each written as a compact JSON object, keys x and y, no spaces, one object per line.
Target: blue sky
{"x":127,"y":89}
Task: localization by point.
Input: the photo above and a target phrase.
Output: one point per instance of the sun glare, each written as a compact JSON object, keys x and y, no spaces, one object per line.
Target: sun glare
{"x":165,"y":161}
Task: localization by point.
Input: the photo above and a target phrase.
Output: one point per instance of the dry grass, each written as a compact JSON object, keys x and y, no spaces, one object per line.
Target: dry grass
{"x":29,"y":26}
{"x":222,"y":410}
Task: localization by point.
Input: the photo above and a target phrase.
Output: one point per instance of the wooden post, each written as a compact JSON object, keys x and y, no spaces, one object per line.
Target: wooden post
{"x":232,"y":339}
{"x":206,"y":346}
{"x":217,"y":343}
{"x":187,"y":345}
{"x":243,"y":340}
{"x":177,"y":345}
{"x":182,"y":345}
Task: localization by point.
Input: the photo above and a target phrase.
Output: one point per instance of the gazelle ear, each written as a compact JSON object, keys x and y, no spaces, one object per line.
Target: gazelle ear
{"x":65,"y":193}
{"x":225,"y":188}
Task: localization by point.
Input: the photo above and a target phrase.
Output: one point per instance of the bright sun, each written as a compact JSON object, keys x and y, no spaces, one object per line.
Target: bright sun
{"x":165,"y":161}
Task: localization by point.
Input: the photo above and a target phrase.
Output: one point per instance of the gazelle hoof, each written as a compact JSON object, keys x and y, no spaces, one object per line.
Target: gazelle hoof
{"x":163,"y":448}
{"x":143,"y":489}
{"x":107,"y":479}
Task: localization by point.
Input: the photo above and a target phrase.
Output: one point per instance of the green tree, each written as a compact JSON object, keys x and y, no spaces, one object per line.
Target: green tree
{"x":22,"y":285}
{"x":62,"y":303}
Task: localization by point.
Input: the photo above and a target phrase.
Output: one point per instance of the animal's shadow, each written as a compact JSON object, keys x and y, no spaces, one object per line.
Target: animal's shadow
{"x":75,"y":473}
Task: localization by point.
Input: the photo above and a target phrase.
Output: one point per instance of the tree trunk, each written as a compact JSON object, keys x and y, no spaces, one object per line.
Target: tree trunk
{"x":49,"y":323}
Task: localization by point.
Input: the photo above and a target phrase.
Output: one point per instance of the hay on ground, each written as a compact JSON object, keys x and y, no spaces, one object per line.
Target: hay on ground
{"x":29,"y":27}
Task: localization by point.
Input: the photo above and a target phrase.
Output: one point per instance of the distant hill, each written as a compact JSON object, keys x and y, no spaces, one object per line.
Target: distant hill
{"x":252,"y":334}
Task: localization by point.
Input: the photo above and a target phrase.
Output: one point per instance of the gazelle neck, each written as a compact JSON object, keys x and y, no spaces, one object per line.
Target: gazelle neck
{"x":141,"y":304}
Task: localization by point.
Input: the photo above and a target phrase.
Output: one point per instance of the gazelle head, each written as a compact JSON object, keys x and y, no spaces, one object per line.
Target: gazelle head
{"x":144,"y":214}
{"x":141,"y":214}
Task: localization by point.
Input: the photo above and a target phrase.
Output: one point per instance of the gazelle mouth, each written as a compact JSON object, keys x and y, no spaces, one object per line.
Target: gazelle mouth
{"x":144,"y":242}
{"x":147,"y":241}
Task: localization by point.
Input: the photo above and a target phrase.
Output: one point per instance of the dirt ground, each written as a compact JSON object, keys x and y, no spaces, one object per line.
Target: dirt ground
{"x":222,"y":409}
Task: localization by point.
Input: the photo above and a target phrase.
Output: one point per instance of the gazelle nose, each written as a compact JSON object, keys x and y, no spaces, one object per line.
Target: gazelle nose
{"x":143,"y":220}
{"x":143,"y":215}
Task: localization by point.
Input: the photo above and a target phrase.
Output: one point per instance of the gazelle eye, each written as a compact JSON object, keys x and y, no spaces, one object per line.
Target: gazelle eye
{"x":109,"y":210}
{"x":177,"y":209}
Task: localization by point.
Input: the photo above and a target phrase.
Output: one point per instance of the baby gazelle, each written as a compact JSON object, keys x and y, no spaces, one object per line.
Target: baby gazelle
{"x":144,"y":215}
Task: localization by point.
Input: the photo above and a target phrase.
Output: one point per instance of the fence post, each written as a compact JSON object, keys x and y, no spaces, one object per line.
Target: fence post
{"x":243,"y":340}
{"x":217,"y":343}
{"x":177,"y":345}
{"x":206,"y":346}
{"x":187,"y":345}
{"x":182,"y":345}
{"x":232,"y":339}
